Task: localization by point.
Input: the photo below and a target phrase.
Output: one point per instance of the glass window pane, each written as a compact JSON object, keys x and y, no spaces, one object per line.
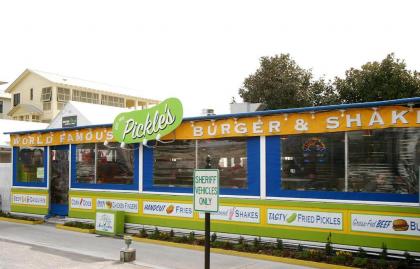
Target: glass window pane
{"x":384,"y":161}
{"x":30,"y":166}
{"x":85,"y":163}
{"x":114,"y":164}
{"x":229,"y":156}
{"x":174,"y":164}
{"x":313,"y":162}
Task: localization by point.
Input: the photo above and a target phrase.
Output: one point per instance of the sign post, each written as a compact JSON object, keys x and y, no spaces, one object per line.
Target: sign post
{"x":206,"y":199}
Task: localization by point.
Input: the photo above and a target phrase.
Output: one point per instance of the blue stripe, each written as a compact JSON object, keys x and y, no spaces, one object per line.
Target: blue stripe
{"x":413,"y":100}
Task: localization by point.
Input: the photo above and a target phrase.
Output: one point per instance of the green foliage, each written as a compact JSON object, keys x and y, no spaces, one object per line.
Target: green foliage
{"x":155,"y":234}
{"x":299,"y":248}
{"x":256,"y":244}
{"x":377,"y":81}
{"x":143,"y":233}
{"x":304,"y":255}
{"x":279,"y":244}
{"x":280,"y":83}
{"x":11,"y":216}
{"x":408,"y":258}
{"x":384,"y":252}
{"x":191,"y":237}
{"x":171,"y":233}
{"x":360,"y":262}
{"x":338,"y":259}
{"x":328,"y":247}
{"x":213,"y":237}
{"x":361,"y":253}
{"x":81,"y":225}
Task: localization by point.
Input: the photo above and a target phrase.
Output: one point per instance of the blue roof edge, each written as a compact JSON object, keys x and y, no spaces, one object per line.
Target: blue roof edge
{"x":257,"y":113}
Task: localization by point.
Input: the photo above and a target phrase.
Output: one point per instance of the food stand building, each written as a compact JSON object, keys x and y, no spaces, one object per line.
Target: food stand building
{"x":352,"y":170}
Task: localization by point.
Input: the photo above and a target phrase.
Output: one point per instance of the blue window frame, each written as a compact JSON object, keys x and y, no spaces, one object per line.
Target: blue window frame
{"x":253,"y":172}
{"x":105,"y":186}
{"x":16,"y":182}
{"x":273,"y":175}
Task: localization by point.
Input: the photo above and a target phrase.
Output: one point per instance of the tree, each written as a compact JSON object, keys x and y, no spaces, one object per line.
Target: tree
{"x":278,"y":83}
{"x":377,"y":81}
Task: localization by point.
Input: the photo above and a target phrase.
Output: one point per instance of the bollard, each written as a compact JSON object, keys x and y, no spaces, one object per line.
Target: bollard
{"x":127,"y":254}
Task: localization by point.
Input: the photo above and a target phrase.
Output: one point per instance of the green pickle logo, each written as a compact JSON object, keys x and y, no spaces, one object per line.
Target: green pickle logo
{"x":291,"y":218}
{"x":148,"y":124}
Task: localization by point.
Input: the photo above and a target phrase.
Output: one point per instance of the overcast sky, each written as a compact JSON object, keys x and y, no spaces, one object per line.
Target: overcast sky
{"x":200,"y":51}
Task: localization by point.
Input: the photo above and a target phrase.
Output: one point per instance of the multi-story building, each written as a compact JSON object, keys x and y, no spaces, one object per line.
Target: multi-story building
{"x":40,"y":96}
{"x":5,"y":105}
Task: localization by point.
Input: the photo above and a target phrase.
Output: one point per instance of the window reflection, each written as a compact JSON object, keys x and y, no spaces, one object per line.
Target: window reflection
{"x":30,"y":166}
{"x":313,"y":162}
{"x":384,"y":161}
{"x":100,"y":164}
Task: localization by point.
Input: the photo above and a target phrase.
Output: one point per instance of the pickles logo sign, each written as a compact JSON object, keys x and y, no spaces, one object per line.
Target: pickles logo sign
{"x":309,"y":219}
{"x":149,"y":124}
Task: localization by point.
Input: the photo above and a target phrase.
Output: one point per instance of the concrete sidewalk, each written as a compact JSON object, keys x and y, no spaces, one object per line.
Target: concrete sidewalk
{"x":106,"y":248}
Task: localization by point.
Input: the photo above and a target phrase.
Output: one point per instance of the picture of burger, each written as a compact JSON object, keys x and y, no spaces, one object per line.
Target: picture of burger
{"x":399,"y":225}
{"x":170,"y":209}
{"x":108,"y":204}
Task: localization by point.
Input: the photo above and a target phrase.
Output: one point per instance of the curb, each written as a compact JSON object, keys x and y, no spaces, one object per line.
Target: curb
{"x":31,"y":222}
{"x":245,"y":254}
{"x":74,"y":229}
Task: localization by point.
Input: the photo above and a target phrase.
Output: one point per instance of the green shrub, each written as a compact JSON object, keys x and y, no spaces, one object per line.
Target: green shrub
{"x":143,"y":233}
{"x":408,"y":258}
{"x":360,"y":262}
{"x":213,"y":237}
{"x":191,"y":237}
{"x":328,"y":247}
{"x":299,"y":248}
{"x":384,"y":253}
{"x":338,"y":259}
{"x":227,"y":245}
{"x":361,"y":253}
{"x":155,"y":234}
{"x":304,"y":255}
{"x":316,"y":255}
{"x":80,"y":225}
{"x":279,"y":244}
{"x":382,"y":263}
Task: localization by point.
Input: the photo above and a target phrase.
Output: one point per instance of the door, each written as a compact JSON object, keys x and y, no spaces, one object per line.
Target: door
{"x":59,"y":180}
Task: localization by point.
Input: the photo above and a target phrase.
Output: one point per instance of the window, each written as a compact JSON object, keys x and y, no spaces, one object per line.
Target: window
{"x":30,"y":165}
{"x":313,"y":162}
{"x":85,"y":163}
{"x":46,"y":94}
{"x":60,"y":105}
{"x":229,"y":156}
{"x":174,"y":163}
{"x":114,"y":164}
{"x":35,"y":118}
{"x":86,"y":97}
{"x":112,"y":101}
{"x":384,"y":161}
{"x":16,"y":99}
{"x":1,"y":106}
{"x":99,"y":164}
{"x":26,"y":117}
{"x":46,"y":106}
{"x":63,"y":94}
{"x":32,"y":94}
